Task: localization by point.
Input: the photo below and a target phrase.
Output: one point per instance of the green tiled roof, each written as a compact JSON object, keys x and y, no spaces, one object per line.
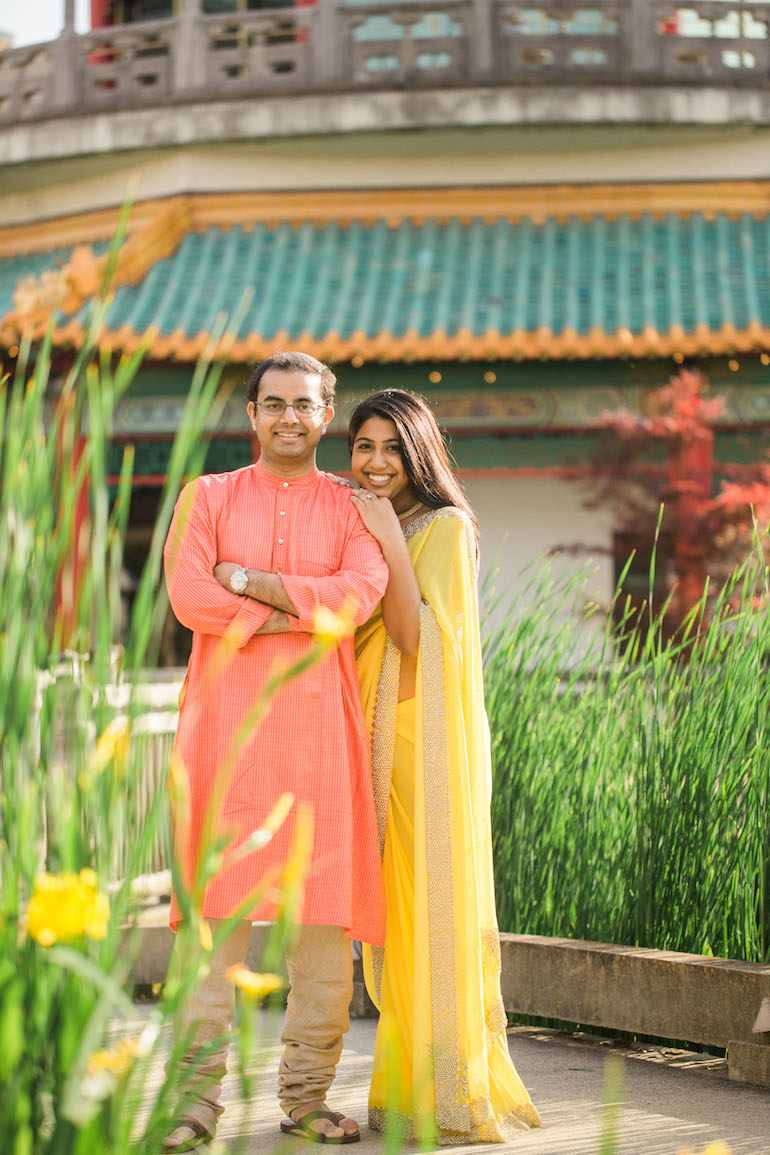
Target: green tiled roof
{"x":603,"y":287}
{"x":580,"y":274}
{"x":18,"y":268}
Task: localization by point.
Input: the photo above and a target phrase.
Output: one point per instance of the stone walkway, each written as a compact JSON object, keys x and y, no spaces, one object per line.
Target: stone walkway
{"x":673,"y":1100}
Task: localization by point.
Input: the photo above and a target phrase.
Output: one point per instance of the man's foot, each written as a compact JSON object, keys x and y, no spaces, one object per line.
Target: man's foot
{"x":187,"y":1135}
{"x":314,"y":1121}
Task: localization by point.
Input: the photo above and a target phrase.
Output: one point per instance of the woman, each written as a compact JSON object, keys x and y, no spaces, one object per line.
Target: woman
{"x":441,"y":1056}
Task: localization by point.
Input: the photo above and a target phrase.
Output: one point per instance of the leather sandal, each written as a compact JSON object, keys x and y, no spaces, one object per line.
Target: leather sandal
{"x":303,"y":1129}
{"x":200,"y":1136}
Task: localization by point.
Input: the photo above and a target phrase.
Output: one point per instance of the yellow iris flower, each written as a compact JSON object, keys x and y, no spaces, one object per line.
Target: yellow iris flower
{"x":255,"y":986}
{"x":116,"y":1061}
{"x":66,"y":907}
{"x":330,"y":627}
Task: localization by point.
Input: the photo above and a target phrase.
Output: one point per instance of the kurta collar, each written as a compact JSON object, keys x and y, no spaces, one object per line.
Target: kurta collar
{"x":303,"y":482}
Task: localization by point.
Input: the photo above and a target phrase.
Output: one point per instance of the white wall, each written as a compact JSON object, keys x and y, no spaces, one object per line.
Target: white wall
{"x":483,"y":156}
{"x":523,"y":518}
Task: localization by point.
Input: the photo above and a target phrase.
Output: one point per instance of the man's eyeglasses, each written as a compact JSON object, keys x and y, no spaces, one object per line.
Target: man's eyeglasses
{"x":277,"y":408}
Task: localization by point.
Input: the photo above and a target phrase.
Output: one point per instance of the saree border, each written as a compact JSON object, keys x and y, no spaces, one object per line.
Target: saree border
{"x":450,"y":1076}
{"x":458,"y":1118}
{"x":383,"y":750}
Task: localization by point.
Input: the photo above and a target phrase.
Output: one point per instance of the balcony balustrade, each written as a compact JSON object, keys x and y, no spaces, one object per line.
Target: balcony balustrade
{"x":341,"y":46}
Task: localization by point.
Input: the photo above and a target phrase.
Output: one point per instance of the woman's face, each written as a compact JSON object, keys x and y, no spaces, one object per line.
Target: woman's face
{"x":377,"y":463}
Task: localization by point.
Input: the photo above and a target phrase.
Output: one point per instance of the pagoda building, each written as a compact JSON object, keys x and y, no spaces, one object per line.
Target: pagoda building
{"x":527,"y":216}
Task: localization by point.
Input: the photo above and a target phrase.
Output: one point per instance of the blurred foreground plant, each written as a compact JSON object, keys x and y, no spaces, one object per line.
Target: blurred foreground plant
{"x":71,"y":1082}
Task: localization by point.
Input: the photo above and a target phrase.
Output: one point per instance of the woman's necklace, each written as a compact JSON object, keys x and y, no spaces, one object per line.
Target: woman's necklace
{"x":408,"y":513}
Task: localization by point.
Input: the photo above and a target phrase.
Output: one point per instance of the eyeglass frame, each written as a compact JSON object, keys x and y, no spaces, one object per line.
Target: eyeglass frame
{"x":307,"y":412}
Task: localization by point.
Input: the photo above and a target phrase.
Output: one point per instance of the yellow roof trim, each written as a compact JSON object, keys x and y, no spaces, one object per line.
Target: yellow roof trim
{"x":343,"y":206}
{"x":157,"y":228}
{"x":439,"y":346}
{"x":83,"y":276}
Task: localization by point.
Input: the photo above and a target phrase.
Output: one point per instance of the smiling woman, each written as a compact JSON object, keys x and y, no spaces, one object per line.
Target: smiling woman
{"x":377,"y":463}
{"x":437,"y":980}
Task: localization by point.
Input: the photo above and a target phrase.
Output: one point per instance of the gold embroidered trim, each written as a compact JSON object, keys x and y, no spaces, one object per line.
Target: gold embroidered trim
{"x":496,"y":1023}
{"x":496,"y":1018}
{"x":383,"y":751}
{"x":490,"y":941}
{"x":458,"y":1119}
{"x":450,"y":1076}
{"x":484,"y":1128}
{"x":384,"y":734}
{"x":448,"y":511}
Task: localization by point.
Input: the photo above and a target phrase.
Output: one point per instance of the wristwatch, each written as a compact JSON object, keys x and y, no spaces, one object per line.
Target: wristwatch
{"x":239,"y":579}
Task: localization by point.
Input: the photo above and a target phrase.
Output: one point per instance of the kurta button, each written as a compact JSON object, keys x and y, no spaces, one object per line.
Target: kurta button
{"x":280,"y":541}
{"x":285,"y":485}
{"x":281,"y":512}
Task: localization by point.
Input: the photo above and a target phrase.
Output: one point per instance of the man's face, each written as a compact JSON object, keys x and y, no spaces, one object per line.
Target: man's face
{"x":289,"y":439}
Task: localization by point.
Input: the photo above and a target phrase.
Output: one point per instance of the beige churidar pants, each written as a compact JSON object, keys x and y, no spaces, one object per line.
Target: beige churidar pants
{"x":320,"y":967}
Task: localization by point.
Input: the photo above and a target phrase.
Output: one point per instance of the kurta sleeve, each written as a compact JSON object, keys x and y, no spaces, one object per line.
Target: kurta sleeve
{"x":196,"y":597}
{"x":362,"y":579}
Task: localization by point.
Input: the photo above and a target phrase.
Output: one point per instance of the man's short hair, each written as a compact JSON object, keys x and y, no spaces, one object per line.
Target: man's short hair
{"x":290,"y":360}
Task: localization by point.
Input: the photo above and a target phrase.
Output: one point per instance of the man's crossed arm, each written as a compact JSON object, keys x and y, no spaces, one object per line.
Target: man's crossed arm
{"x":203,"y":599}
{"x":262,"y":587}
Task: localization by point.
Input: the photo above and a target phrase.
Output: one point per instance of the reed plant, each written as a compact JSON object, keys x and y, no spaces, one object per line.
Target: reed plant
{"x":631,"y":769}
{"x":72,"y":1082}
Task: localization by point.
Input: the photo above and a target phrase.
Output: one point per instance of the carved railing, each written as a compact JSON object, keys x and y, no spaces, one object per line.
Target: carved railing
{"x":26,"y":82}
{"x":263,"y":50}
{"x":561,"y":39}
{"x":726,"y":41}
{"x":388,"y":45}
{"x":338,"y":46}
{"x":129,"y":64}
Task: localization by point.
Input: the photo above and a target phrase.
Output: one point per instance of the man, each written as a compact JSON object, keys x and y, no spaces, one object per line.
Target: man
{"x":250,"y":555}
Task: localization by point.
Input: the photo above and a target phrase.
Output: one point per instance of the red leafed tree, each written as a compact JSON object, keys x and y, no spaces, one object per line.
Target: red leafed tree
{"x":667,"y":457}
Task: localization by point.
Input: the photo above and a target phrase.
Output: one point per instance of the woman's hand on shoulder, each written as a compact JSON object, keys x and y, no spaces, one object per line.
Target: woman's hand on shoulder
{"x":337,"y":480}
{"x":377,"y":514}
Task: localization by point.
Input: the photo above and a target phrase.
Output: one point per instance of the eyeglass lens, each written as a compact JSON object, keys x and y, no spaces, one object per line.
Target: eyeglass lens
{"x":278,"y":407}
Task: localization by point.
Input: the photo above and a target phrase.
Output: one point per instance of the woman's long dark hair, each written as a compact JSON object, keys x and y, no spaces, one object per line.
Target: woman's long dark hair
{"x":425,"y":457}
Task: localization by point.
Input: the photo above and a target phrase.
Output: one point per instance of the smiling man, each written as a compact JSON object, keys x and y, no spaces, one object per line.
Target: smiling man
{"x":250,"y":555}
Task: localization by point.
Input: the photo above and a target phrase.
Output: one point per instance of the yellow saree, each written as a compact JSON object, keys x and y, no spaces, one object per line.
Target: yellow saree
{"x":441,"y":1058}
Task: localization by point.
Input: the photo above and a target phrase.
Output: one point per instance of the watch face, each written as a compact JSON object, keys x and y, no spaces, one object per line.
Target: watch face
{"x":239,"y":580}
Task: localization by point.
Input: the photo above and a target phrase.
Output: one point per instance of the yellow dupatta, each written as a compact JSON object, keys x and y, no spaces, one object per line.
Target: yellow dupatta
{"x":462,"y":1079}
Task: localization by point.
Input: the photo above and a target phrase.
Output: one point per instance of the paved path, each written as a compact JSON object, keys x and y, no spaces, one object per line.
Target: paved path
{"x":672,"y":1100}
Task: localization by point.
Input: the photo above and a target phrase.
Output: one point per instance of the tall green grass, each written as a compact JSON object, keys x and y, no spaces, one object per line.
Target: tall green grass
{"x":630,"y":799}
{"x":69,"y":768}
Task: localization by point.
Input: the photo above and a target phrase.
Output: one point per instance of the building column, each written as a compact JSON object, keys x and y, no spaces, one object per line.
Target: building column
{"x":101,"y":16}
{"x":639,"y":36}
{"x":189,"y":67}
{"x":325,"y":41}
{"x":64,"y":50}
{"x":71,"y":444}
{"x":480,"y":35}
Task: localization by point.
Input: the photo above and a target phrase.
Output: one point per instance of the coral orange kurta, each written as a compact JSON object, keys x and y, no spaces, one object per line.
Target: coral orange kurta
{"x":313,"y":742}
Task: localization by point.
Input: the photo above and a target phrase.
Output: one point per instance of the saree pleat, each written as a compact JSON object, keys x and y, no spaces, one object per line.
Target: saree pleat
{"x":441,"y":1058}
